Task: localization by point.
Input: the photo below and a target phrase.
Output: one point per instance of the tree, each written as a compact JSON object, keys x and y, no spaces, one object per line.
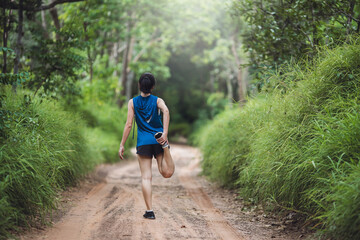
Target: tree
{"x":281,"y":30}
{"x":142,"y":34}
{"x":224,"y":52}
{"x":30,"y":8}
{"x":6,"y":20}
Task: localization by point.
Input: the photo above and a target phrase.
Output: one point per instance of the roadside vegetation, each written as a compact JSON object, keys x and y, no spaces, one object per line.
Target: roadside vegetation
{"x":295,"y":146}
{"x":45,"y":149}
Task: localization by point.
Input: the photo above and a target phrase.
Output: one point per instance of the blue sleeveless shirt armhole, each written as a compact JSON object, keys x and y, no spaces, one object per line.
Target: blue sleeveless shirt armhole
{"x":147,"y":118}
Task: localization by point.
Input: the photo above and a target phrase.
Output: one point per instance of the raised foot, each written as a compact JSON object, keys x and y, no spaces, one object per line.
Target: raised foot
{"x":158,"y":135}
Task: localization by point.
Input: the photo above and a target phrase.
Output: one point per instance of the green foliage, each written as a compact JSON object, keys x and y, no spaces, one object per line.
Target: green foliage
{"x":216,"y":103}
{"x":225,"y":141}
{"x":10,"y":78}
{"x":55,"y":63}
{"x":7,"y":214}
{"x":100,"y":91}
{"x":343,"y":216}
{"x":220,"y":156}
{"x":297,"y":147}
{"x":43,"y":150}
{"x":105,"y":120}
{"x":14,"y":79}
{"x":281,"y":30}
{"x":179,"y":129}
{"x":105,"y":127}
{"x":184,"y":93}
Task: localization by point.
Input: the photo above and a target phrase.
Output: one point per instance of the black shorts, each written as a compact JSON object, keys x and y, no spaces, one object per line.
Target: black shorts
{"x":149,"y":150}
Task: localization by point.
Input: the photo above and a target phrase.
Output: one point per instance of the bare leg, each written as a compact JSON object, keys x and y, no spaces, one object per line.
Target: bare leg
{"x":146,"y":177}
{"x":165,"y":163}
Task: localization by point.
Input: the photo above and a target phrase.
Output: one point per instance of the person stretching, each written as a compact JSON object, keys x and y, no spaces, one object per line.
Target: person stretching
{"x":152,"y":138}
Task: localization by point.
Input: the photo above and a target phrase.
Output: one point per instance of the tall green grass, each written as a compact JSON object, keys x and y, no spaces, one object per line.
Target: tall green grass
{"x":297,"y":147}
{"x":104,"y":119}
{"x":105,"y":124}
{"x":233,"y":127}
{"x":43,"y":150}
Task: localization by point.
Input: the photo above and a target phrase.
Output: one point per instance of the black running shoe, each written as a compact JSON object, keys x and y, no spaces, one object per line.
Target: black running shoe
{"x":158,"y":135}
{"x":149,"y":215}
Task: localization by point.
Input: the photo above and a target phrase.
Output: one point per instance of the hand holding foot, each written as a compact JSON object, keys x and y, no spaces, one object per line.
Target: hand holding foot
{"x":165,"y":161}
{"x":161,"y":138}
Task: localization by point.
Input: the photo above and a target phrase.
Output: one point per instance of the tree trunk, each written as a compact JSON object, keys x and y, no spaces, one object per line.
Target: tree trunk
{"x":43,"y":24}
{"x":212,"y":83}
{"x":349,"y":20}
{"x":122,"y":80}
{"x":314,"y":21}
{"x":18,"y":48}
{"x":103,"y":45}
{"x":88,"y":51}
{"x":114,"y":56}
{"x":240,"y":80}
{"x":122,"y":83}
{"x":91,"y":65}
{"x":245,"y":74}
{"x":55,"y":18}
{"x":241,"y":87}
{"x":129,"y":84}
{"x":129,"y":73}
{"x":5,"y":38}
{"x":230,"y":91}
{"x":109,"y":52}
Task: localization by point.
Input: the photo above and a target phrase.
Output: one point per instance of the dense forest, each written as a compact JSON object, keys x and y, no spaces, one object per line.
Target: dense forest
{"x":267,"y":89}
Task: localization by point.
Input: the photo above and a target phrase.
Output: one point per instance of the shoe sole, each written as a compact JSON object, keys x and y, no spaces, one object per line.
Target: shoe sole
{"x":158,"y":135}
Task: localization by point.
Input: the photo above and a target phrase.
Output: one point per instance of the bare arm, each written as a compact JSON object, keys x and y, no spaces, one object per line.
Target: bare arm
{"x":127,"y":128}
{"x":166,"y":120}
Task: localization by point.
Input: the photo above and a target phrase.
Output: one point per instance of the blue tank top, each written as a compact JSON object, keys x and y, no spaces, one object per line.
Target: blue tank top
{"x":147,"y":117}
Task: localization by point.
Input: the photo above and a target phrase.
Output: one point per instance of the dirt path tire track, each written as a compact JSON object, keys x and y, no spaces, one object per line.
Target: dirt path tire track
{"x":113,"y":209}
{"x":215,"y":219}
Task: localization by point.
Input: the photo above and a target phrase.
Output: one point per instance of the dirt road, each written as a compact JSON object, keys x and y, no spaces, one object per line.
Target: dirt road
{"x":186,"y":207}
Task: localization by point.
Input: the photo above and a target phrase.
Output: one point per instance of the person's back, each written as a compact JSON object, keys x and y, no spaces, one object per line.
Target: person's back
{"x":147,"y":117}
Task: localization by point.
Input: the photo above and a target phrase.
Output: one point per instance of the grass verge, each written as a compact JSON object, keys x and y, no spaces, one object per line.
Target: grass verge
{"x":45,"y":149}
{"x":297,"y":147}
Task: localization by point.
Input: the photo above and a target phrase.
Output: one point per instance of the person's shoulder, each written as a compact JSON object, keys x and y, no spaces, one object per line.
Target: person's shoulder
{"x":159,"y":100}
{"x":131,"y":102}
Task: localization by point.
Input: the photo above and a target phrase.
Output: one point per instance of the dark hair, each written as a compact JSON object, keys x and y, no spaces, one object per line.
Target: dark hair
{"x":146,"y":82}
